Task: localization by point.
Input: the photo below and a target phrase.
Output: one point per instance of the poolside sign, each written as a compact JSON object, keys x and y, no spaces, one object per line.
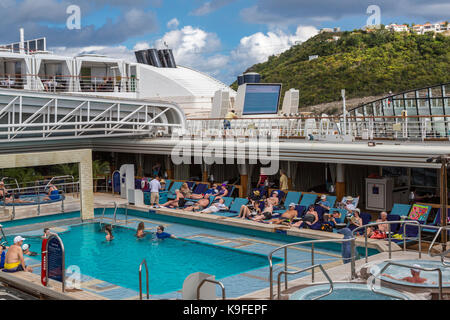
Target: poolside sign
{"x":53,"y":260}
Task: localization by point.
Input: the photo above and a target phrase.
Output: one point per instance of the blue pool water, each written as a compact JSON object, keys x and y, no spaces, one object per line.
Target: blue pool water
{"x":33,"y":199}
{"x":169,"y":261}
{"x":344,"y":291}
{"x":402,"y":272}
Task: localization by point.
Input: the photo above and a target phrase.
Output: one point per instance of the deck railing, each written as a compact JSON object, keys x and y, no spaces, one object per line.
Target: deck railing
{"x":415,"y":127}
{"x":67,"y":83}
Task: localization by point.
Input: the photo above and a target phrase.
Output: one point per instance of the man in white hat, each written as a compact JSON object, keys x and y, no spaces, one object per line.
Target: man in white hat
{"x":324,"y":203}
{"x":274,"y":200}
{"x":349,"y":206}
{"x":14,"y":260}
{"x":415,"y":275}
{"x":287,"y":216}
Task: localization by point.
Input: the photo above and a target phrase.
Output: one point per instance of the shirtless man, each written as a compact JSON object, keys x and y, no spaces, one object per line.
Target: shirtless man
{"x":415,"y":276}
{"x":383,"y":218}
{"x":14,"y":260}
{"x":200,"y":205}
{"x":274,"y":199}
{"x":287,"y":216}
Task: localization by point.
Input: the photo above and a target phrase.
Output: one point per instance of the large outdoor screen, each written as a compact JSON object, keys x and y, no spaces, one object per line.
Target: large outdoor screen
{"x":262,"y":98}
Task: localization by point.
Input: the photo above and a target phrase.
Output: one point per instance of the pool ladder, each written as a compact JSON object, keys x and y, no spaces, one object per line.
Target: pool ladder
{"x":285,"y":272}
{"x":143,"y":263}
{"x":4,"y":239}
{"x":116,"y":207}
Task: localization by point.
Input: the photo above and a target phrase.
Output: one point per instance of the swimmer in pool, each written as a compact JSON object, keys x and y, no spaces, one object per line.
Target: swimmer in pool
{"x":26,"y":250}
{"x":160,"y":234}
{"x":140,"y":232}
{"x":52,"y":194}
{"x":415,"y":276}
{"x":108,"y":231}
{"x":46,"y":233}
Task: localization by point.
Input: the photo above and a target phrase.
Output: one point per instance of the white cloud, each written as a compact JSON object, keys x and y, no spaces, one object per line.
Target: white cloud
{"x":141,"y":46}
{"x":202,"y":50}
{"x":118,"y":52}
{"x":195,"y":48}
{"x":258,"y":47}
{"x":173,"y":24}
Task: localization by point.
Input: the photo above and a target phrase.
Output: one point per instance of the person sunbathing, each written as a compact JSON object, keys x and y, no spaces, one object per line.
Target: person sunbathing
{"x":310,"y":218}
{"x":287,"y":216}
{"x":200,"y":205}
{"x":52,"y":194}
{"x":223,"y":192}
{"x":274,"y":200}
{"x":266,"y":213}
{"x":247,"y":211}
{"x":216,"y":207}
{"x":210,"y":192}
{"x":180,"y":199}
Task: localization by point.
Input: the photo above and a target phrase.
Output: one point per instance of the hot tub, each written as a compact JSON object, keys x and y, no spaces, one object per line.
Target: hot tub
{"x":346,"y":291}
{"x":402,"y":272}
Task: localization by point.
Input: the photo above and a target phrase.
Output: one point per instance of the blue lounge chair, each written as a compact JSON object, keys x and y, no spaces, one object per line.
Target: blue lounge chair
{"x":191,"y":184}
{"x":436,"y":222}
{"x":308,"y":199}
{"x":175,"y":186}
{"x":291,"y":197}
{"x":168,"y":183}
{"x":227,"y":201}
{"x":200,"y":188}
{"x":331,"y":200}
{"x":400,"y":209}
{"x":234,"y":208}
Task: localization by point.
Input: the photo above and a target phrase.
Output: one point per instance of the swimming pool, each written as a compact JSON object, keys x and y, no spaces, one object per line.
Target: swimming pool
{"x":33,"y":199}
{"x":169,"y":261}
{"x":401,"y":272}
{"x":345,"y":291}
{"x":238,"y":280}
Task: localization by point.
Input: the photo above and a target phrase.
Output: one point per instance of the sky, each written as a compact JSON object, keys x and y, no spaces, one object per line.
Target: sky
{"x":219,"y":37}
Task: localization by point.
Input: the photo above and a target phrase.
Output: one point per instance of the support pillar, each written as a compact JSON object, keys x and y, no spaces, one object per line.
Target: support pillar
{"x":243,"y":171}
{"x":340,"y":181}
{"x":169,"y":167}
{"x":444,"y":205}
{"x":140,"y":170}
{"x":86,"y":186}
{"x":205,"y":172}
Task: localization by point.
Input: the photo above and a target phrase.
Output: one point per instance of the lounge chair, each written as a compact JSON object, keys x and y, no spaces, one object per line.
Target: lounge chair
{"x":436,"y":221}
{"x":331,"y":200}
{"x":400,"y":209}
{"x":308,"y":199}
{"x":168,"y":183}
{"x":191,"y":184}
{"x":234,"y":208}
{"x":291,"y":197}
{"x":200,"y":188}
{"x":175,"y":186}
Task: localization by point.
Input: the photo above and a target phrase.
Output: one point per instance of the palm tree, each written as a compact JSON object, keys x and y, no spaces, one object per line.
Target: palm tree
{"x":68,"y":169}
{"x":99,"y":170}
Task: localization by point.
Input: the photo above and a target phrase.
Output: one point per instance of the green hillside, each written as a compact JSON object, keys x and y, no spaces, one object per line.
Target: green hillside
{"x":364,"y":63}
